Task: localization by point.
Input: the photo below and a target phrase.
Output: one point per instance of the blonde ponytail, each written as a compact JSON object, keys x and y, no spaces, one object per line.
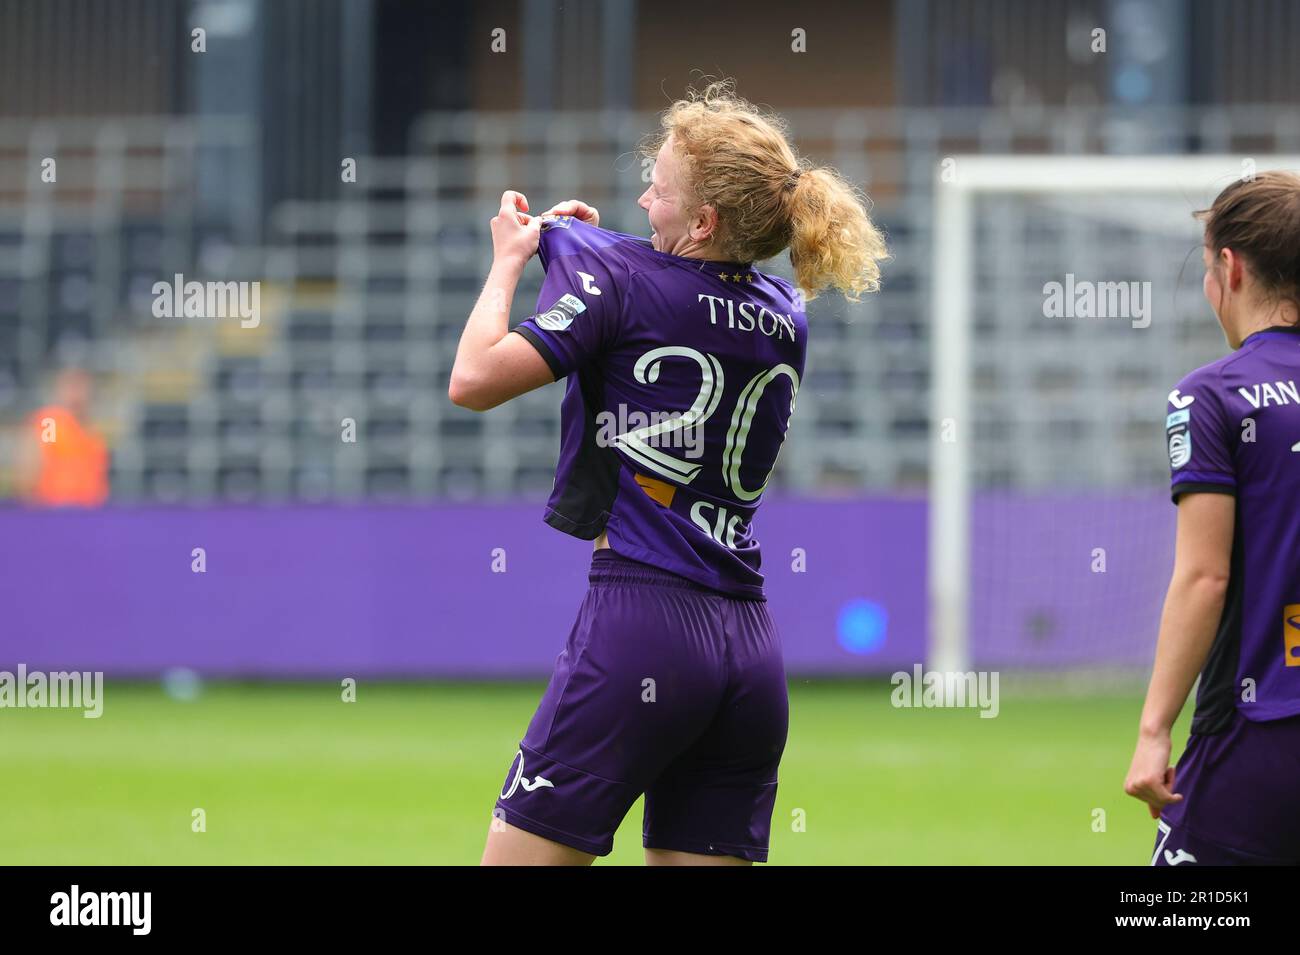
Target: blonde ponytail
{"x":833,"y":242}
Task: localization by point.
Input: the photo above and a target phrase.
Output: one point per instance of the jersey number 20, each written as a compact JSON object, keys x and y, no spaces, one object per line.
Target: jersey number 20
{"x":636,"y":445}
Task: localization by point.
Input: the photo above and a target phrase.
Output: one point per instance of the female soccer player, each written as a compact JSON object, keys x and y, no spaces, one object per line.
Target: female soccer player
{"x":1232,"y":613}
{"x":683,"y":362}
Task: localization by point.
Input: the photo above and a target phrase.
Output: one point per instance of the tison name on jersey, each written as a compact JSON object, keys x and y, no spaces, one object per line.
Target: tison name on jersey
{"x":1233,"y":427}
{"x":681,"y":381}
{"x":742,"y":317}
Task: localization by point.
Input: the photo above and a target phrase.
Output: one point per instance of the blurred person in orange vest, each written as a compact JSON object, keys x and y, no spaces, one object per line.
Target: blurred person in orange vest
{"x":61,"y":461}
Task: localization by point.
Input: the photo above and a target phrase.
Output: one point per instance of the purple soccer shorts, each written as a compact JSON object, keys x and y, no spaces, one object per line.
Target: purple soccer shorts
{"x":1239,"y":798}
{"x":665,"y":688}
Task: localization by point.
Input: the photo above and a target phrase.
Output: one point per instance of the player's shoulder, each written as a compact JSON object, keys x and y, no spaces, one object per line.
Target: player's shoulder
{"x":1205,"y":383}
{"x":798,"y":307}
{"x":1216,"y":381}
{"x":784,"y":284}
{"x":569,"y":236}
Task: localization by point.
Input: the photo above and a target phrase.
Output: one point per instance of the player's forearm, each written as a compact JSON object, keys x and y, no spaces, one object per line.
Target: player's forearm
{"x":489,"y":322}
{"x":1188,"y":623}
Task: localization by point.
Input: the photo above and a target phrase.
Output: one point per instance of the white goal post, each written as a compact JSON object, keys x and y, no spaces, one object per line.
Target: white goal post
{"x":960,"y":180}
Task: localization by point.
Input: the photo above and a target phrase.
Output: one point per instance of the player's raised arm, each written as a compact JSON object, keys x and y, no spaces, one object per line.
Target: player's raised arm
{"x":493,"y":366}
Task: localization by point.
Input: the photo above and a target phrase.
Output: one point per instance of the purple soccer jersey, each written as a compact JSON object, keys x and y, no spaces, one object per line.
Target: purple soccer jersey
{"x":682,"y":376}
{"x":1233,"y":427}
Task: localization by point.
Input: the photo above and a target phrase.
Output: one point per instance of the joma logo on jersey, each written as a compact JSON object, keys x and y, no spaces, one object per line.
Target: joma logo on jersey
{"x":1264,"y":394}
{"x":1291,"y":634}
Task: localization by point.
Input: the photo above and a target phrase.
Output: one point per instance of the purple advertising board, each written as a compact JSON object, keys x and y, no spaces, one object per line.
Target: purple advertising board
{"x":443,"y":590}
{"x":487,"y":590}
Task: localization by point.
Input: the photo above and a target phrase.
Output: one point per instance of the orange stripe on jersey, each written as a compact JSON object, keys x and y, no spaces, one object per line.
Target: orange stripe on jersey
{"x":661,"y":492}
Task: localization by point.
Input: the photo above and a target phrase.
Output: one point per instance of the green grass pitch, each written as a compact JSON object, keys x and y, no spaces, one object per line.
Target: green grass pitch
{"x":287,"y":773}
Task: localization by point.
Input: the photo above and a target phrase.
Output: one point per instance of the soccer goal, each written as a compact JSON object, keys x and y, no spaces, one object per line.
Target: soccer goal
{"x":1066,"y":305}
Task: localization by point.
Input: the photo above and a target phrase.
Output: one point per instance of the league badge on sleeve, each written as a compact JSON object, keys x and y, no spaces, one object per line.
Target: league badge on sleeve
{"x":561,"y":315}
{"x":1178,"y":429}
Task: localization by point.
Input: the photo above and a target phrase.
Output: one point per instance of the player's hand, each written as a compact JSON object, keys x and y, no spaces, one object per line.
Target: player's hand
{"x":576,"y":208}
{"x":1150,"y":777}
{"x":514,"y":233}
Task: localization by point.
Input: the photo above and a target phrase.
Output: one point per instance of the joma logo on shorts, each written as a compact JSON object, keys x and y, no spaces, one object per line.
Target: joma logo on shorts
{"x":538,"y":781}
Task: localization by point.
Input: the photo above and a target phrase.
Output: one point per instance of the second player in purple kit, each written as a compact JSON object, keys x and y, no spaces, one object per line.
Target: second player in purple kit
{"x":683,"y":364}
{"x":1233,"y":611}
